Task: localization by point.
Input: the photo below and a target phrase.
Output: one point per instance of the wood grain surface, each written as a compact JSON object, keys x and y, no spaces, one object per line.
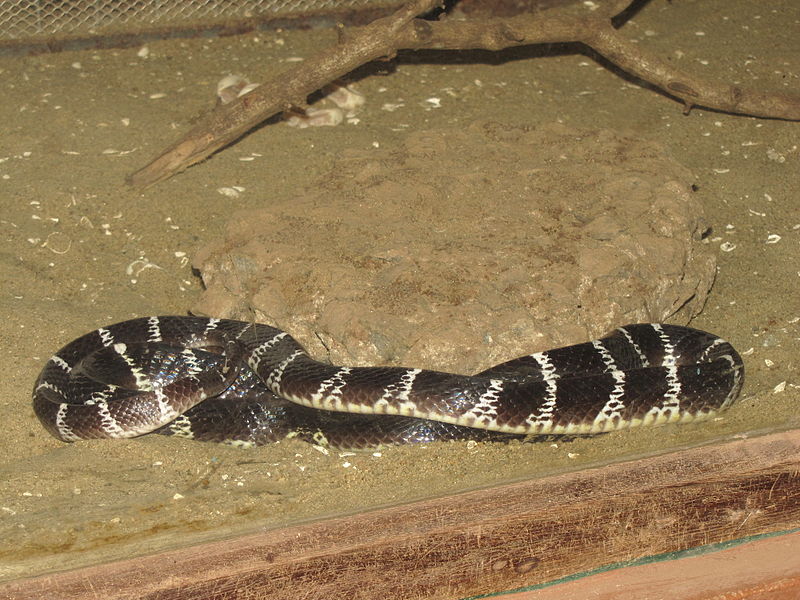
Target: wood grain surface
{"x":761,"y":569}
{"x":477,"y":542}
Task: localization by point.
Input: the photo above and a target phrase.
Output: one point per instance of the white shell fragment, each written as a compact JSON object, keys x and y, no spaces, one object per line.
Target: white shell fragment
{"x":231,"y":87}
{"x":231,"y":192}
{"x":315,"y":117}
{"x":345,"y":97}
{"x":347,"y":100}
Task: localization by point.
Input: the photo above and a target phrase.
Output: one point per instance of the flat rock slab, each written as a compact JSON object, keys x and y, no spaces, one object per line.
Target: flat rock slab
{"x":467,"y":247}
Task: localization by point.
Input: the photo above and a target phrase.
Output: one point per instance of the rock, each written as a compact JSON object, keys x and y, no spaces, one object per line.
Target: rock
{"x":464,"y":248}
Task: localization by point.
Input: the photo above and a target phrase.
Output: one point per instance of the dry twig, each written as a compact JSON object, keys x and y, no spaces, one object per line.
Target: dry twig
{"x":401,"y":31}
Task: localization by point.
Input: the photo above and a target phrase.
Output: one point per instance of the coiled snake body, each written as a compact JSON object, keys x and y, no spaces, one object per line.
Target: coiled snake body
{"x":238,"y":382}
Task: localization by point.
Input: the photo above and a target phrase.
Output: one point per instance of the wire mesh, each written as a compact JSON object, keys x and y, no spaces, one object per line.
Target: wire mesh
{"x":24,"y":19}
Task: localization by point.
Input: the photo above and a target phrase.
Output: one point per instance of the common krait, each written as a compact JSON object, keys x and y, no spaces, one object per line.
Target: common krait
{"x":239,"y":382}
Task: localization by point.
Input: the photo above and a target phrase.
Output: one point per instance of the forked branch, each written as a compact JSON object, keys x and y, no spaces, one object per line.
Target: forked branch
{"x":384,"y":37}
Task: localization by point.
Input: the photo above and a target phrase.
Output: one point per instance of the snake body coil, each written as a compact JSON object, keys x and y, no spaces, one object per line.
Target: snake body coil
{"x":238,"y":382}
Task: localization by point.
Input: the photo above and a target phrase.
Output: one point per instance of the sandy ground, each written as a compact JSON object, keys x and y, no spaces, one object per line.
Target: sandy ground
{"x":80,"y":249}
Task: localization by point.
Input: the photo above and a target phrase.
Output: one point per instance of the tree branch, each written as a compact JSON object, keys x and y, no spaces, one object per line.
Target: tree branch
{"x":401,"y":31}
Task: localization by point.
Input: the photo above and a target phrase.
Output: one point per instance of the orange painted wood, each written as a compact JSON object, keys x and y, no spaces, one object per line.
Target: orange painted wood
{"x":478,"y":542}
{"x":763,"y":569}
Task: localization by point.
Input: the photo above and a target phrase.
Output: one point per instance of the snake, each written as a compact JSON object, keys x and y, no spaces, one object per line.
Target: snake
{"x":245,"y":383}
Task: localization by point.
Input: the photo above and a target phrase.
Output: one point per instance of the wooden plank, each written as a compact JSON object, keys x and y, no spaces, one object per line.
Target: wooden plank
{"x":477,"y":542}
{"x":762,"y":569}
